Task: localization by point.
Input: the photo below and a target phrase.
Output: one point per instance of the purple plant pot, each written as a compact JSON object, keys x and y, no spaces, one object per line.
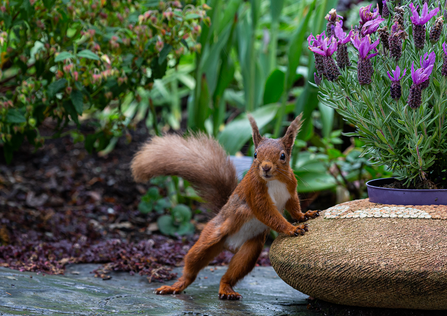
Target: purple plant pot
{"x":379,"y":194}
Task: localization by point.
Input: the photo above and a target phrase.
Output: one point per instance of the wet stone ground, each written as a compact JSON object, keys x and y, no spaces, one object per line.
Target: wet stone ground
{"x":78,"y":292}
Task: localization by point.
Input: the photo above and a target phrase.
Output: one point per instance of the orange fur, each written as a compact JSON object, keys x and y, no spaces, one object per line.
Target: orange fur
{"x":246,"y":211}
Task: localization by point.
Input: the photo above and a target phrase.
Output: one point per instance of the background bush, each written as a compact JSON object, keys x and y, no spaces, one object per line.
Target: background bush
{"x":67,"y":60}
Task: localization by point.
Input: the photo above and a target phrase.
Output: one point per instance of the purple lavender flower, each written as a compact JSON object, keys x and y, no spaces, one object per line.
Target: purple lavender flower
{"x":365,"y":69}
{"x":316,"y":42}
{"x":426,"y":61}
{"x":327,"y":49}
{"x":399,"y":16}
{"x":364,"y":46}
{"x":419,"y":76}
{"x":371,"y":27}
{"x":342,"y":49}
{"x":366,"y":15}
{"x":396,"y":90}
{"x":384,"y":38}
{"x":340,"y":35}
{"x":395,"y":41}
{"x":436,"y":30}
{"x":419,"y":23}
{"x":424,"y":17}
{"x":444,"y":65}
{"x":332,"y":18}
{"x":385,"y":10}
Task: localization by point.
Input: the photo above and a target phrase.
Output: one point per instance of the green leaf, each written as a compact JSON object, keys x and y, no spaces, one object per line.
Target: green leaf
{"x":192,"y":16}
{"x":211,"y":57}
{"x":55,"y":87}
{"x":276,"y":8}
{"x":229,"y":15}
{"x":23,"y":66}
{"x":158,"y":70}
{"x":164,"y":53}
{"x":27,"y":9}
{"x":161,"y":205}
{"x":63,"y":56}
{"x":255,"y":12}
{"x":181,"y":213}
{"x":296,"y":47}
{"x":185,"y":229}
{"x":203,"y":105}
{"x":314,"y":181}
{"x":166,"y":225}
{"x":178,"y":223}
{"x":7,"y":20}
{"x":77,"y":98}
{"x":238,"y":131}
{"x":145,"y":207}
{"x":49,"y":4}
{"x":274,"y":86}
{"x":184,"y":43}
{"x":334,"y":153}
{"x":15,"y":116}
{"x":69,"y":107}
{"x":86,"y":53}
{"x":327,"y":118}
{"x":153,"y":194}
{"x":381,"y":136}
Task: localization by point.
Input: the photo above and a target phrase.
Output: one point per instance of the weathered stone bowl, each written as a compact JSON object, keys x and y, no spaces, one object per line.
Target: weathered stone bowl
{"x":372,"y":255}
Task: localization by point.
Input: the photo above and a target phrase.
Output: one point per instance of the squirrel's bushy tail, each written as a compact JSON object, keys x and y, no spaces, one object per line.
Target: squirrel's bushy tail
{"x":198,"y":159}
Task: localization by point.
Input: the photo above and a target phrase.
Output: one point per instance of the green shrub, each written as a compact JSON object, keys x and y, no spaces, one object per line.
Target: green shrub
{"x":66,"y":60}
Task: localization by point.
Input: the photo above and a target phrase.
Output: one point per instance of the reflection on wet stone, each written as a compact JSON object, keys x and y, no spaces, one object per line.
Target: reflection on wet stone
{"x":80,"y":293}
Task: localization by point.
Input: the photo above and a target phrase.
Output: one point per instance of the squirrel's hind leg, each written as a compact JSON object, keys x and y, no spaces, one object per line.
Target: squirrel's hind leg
{"x":209,"y":245}
{"x":240,"y":265}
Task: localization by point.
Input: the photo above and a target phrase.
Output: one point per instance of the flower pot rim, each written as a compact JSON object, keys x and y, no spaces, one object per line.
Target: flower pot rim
{"x":404,"y":196}
{"x":373,"y":184}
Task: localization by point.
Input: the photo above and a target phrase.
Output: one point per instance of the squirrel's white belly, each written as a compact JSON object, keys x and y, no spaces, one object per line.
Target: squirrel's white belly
{"x":250,"y":229}
{"x":278,"y":193}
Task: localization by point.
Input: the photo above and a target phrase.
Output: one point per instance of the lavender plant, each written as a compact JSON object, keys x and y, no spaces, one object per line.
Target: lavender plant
{"x":395,"y":89}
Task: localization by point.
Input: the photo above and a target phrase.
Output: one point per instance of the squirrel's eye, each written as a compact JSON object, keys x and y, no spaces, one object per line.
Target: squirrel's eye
{"x":256,"y":155}
{"x":283,"y":156}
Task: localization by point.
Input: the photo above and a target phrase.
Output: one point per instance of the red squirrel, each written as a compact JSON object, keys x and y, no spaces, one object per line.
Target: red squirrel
{"x":246,"y":211}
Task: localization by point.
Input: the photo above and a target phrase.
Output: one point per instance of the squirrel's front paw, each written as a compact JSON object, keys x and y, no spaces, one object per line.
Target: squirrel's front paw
{"x":311,"y":214}
{"x":298,"y":230}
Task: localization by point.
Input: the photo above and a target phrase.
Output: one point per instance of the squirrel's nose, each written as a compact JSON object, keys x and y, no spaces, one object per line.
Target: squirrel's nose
{"x":266,"y":168}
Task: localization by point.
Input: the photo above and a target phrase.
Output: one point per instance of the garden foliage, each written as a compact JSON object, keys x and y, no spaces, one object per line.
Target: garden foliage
{"x":67,"y":60}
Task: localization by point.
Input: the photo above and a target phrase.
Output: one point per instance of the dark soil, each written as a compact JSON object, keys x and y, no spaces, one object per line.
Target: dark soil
{"x":61,"y":205}
{"x":426,"y":184}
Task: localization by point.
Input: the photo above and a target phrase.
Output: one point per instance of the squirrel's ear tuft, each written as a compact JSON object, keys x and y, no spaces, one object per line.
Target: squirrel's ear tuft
{"x":256,"y":135}
{"x":292,"y":131}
